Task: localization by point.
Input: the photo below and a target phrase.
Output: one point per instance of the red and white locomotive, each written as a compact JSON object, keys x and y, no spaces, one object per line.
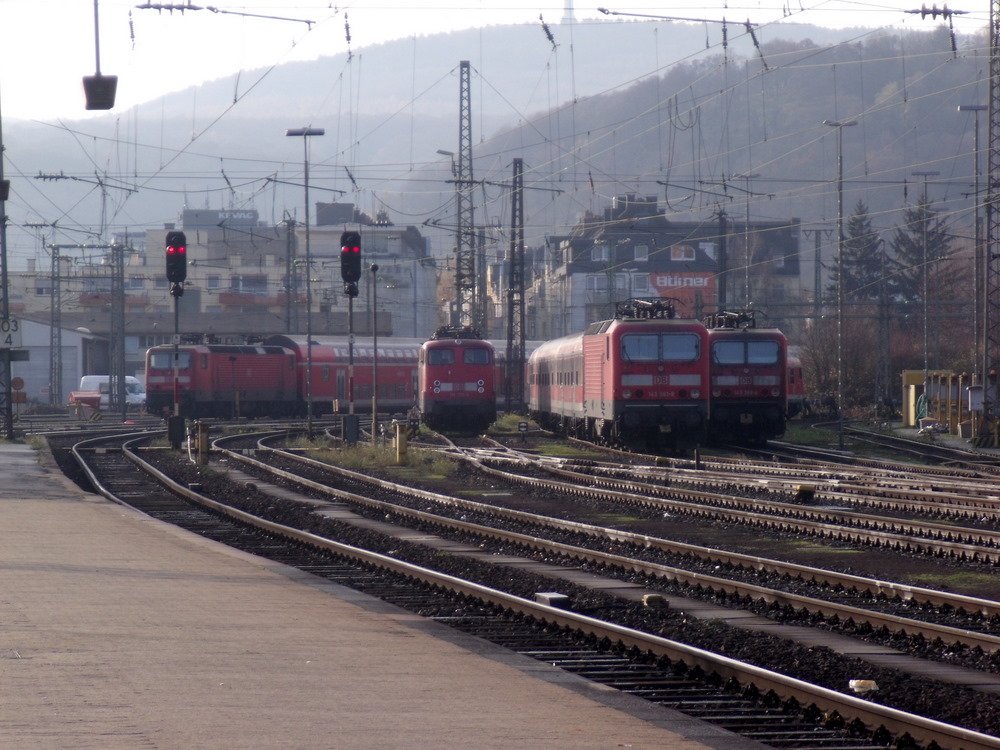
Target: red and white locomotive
{"x":643,"y":375}
{"x":457,"y":380}
{"x":748,"y":370}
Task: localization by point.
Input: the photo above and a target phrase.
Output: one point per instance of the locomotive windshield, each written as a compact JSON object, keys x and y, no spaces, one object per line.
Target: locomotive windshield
{"x":476,"y":356}
{"x":666,"y":347}
{"x":746,"y":352}
{"x":165,"y":360}
{"x":440,"y":357}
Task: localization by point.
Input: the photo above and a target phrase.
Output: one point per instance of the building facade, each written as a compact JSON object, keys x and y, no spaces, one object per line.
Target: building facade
{"x":633,"y":250}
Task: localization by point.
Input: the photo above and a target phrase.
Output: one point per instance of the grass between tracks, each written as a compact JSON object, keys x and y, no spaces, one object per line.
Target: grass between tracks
{"x":363,"y":457}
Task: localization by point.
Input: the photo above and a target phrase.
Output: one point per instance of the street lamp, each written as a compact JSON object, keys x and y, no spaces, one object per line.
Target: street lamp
{"x":305,"y":134}
{"x":840,"y":125}
{"x":979,"y":269}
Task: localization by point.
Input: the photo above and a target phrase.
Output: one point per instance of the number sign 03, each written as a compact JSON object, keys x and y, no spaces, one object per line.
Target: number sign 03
{"x":10,"y":333}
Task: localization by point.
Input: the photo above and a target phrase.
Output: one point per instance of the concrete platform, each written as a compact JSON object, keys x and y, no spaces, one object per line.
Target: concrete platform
{"x":117,"y":631}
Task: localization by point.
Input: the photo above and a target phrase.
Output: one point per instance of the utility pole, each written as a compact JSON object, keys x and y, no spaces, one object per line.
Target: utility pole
{"x":55,"y":327}
{"x":818,"y":234}
{"x":977,"y":263}
{"x":116,"y":363}
{"x":748,"y":255}
{"x":5,"y":390}
{"x":515,"y":294}
{"x":291,"y":287}
{"x":925,"y":280}
{"x":721,"y":297}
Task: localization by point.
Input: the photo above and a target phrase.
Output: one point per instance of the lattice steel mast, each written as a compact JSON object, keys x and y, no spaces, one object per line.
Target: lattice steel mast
{"x":515,"y":294}
{"x":465,"y":250}
{"x":991,"y":304}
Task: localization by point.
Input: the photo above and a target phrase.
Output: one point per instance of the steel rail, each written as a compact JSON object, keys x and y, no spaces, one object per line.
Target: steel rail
{"x":872,"y":586}
{"x":895,"y":623}
{"x":871,"y":714}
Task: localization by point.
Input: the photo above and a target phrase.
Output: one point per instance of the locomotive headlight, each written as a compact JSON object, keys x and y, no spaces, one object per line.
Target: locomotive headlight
{"x":775,"y":392}
{"x":481,"y":384}
{"x":437,"y":383}
{"x":436,"y":389}
{"x":695,"y":393}
{"x":716,"y":393}
{"x":481,"y":389}
{"x":626,"y":393}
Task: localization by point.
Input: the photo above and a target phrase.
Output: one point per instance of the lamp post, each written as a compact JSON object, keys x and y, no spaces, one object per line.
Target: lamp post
{"x":305,"y":134}
{"x":840,"y":125}
{"x":925,"y":283}
{"x":978,"y":314}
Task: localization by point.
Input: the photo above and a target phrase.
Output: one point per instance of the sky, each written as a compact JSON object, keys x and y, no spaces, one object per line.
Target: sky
{"x":47,"y":46}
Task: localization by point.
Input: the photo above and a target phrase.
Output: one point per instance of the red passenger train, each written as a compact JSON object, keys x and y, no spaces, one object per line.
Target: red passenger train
{"x":641,"y":376}
{"x":457,"y":380}
{"x":748,"y":370}
{"x":221,"y":380}
{"x":795,"y":388}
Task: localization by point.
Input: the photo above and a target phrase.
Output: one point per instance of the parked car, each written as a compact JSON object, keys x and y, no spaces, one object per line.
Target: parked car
{"x":93,"y":392}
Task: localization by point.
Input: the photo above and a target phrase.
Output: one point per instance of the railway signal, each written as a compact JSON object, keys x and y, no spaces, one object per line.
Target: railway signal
{"x":350,"y":257}
{"x":176,"y":257}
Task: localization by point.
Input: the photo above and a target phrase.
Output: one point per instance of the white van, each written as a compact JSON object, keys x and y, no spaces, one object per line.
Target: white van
{"x":135,"y":391}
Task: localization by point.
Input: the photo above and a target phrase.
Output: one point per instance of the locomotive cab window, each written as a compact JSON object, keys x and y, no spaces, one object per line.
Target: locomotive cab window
{"x":643,"y":347}
{"x":476,"y":356}
{"x":728,"y":352}
{"x":440,"y":357}
{"x":762,"y":352}
{"x":165,"y":360}
{"x":681,"y":347}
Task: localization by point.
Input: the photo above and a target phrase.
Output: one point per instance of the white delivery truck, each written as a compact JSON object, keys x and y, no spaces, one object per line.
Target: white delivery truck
{"x":93,"y":392}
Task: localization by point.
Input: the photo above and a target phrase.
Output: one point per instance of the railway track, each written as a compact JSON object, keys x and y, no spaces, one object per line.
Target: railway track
{"x":461,"y":511}
{"x":754,"y":712}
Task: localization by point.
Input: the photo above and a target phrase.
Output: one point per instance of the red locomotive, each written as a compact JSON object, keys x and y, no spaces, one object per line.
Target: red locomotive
{"x":457,"y":380}
{"x":748,"y":375}
{"x":642,"y":375}
{"x":221,"y":380}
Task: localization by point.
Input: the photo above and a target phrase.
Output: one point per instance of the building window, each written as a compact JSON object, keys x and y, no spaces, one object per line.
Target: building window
{"x":597,"y":282}
{"x":136,"y":282}
{"x":640,"y":283}
{"x":621,"y":282}
{"x":642,"y":253}
{"x":682,"y":252}
{"x":213,"y":282}
{"x":161,"y":282}
{"x":600,"y":252}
